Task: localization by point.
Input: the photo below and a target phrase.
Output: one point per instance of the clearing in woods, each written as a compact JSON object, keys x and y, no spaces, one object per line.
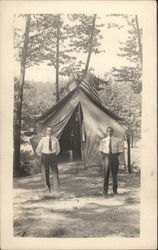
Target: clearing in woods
{"x":80,"y":210}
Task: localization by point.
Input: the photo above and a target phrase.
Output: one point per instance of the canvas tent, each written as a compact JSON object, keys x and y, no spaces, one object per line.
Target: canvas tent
{"x":79,"y":121}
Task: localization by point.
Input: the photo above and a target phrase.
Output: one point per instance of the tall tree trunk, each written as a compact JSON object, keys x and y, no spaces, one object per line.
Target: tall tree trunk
{"x":139,"y":40}
{"x":90,"y":47}
{"x":57,"y":58}
{"x":17,"y":125}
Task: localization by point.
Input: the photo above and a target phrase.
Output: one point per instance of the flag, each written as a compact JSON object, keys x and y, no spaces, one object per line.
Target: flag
{"x":90,"y":89}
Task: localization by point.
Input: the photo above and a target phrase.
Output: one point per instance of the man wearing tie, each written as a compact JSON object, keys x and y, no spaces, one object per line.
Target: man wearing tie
{"x":49,"y":148}
{"x":110,"y":148}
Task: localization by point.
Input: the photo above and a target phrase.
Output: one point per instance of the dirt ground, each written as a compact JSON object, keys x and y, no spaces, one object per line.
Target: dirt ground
{"x":80,"y":210}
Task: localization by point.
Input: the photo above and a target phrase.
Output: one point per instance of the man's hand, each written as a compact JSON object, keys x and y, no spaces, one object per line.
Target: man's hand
{"x":37,"y":156}
{"x":102,"y":153}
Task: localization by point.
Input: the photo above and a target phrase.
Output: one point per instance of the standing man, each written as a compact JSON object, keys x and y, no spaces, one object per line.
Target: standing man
{"x":49,"y":148}
{"x":110,"y":148}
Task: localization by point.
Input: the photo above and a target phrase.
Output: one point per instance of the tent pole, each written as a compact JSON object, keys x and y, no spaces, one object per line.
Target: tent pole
{"x":80,"y":124}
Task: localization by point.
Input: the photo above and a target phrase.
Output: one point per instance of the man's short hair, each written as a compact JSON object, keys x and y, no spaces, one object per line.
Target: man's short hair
{"x":110,"y":128}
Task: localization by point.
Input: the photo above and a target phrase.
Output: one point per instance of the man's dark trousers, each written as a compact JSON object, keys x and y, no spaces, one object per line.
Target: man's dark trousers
{"x":110,"y":164}
{"x":50,"y":162}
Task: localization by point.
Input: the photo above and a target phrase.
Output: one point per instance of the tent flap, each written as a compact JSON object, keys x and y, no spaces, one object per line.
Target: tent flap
{"x":57,"y":120}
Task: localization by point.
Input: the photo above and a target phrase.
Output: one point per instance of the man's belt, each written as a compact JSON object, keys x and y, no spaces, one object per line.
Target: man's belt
{"x":113,"y":154}
{"x":49,"y":156}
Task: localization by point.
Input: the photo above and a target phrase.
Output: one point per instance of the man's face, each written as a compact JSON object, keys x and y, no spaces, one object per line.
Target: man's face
{"x":109,"y":132}
{"x":49,"y":131}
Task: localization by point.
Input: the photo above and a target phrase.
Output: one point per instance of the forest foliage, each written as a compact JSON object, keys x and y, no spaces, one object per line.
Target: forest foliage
{"x":48,"y":39}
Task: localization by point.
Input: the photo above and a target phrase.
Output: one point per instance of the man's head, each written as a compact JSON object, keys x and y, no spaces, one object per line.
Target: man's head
{"x":109,"y":131}
{"x":49,"y":131}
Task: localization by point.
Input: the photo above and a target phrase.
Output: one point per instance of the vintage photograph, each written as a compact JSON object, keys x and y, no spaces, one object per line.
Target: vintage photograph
{"x":77,"y":125}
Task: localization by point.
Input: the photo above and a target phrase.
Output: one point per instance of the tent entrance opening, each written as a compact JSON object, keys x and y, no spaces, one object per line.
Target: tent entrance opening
{"x":70,"y":142}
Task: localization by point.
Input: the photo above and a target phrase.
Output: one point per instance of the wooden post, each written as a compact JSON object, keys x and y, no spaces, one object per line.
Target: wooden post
{"x":129,"y":153}
{"x":132,"y":140}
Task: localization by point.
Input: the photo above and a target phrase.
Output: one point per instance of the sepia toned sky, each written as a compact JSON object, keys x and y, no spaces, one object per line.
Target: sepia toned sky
{"x":101,"y":63}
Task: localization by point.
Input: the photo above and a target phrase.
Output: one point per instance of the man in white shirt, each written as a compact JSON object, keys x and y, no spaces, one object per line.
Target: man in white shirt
{"x":110,"y":148}
{"x":49,"y":148}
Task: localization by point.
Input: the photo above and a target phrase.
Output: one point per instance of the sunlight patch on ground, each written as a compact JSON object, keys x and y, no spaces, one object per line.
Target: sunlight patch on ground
{"x":73,"y":203}
{"x":79,"y":210}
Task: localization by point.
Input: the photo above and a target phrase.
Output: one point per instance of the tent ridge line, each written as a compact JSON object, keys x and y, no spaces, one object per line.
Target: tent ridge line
{"x":108,"y":112}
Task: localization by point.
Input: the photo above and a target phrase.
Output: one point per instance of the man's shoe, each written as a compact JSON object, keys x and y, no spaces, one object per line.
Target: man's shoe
{"x":47,"y":189}
{"x":115,"y":193}
{"x":105,"y":195}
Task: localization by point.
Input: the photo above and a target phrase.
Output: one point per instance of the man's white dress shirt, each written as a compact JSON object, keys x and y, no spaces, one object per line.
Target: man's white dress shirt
{"x":43,"y":146}
{"x":117,"y":145}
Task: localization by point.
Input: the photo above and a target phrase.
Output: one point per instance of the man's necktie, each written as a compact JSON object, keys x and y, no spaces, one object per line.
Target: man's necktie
{"x":110,"y":147}
{"x":50,"y":144}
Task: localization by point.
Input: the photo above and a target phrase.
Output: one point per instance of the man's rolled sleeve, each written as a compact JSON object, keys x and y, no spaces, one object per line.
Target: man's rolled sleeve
{"x":101,"y":146}
{"x":57,"y":147}
{"x":120,"y":146}
{"x":39,"y":148}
